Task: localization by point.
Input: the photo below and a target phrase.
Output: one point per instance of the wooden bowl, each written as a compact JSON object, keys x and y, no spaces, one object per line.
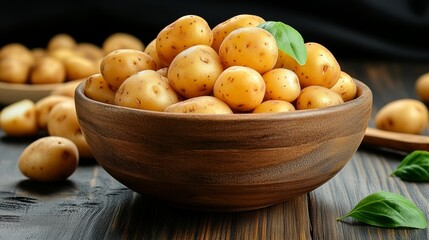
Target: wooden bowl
{"x":231,"y":162}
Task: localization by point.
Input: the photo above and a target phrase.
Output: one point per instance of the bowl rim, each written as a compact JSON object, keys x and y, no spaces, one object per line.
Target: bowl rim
{"x":363,"y":94}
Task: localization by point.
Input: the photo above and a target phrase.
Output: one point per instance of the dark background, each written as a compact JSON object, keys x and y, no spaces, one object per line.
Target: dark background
{"x":385,"y":29}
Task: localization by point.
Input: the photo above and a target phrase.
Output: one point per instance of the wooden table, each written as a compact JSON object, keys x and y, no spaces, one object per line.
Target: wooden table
{"x":92,"y":205}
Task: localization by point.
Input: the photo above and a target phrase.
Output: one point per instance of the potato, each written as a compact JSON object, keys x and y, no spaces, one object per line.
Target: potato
{"x":44,"y":107}
{"x":252,"y":47}
{"x":315,"y":96}
{"x":147,"y":90}
{"x":13,"y":70}
{"x":89,"y":51}
{"x":121,"y":40}
{"x":39,"y":53}
{"x":17,"y":51}
{"x":61,"y":40}
{"x":184,"y":32}
{"x":49,"y":159}
{"x":63,"y":122}
{"x":121,"y":64}
{"x":79,"y":67}
{"x":63,"y":54}
{"x":242,"y":88}
{"x":321,"y":67}
{"x":48,"y":70}
{"x":97,"y":88}
{"x":67,"y":89}
{"x":194,"y":71}
{"x":151,"y":51}
{"x":221,"y":30}
{"x":345,"y":86}
{"x":422,"y":87}
{"x":19,"y":118}
{"x":403,"y":115}
{"x":201,"y":105}
{"x":272,"y":106}
{"x":281,"y":84}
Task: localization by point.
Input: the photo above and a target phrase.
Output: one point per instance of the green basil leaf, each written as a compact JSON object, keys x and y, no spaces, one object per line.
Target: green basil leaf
{"x":390,"y":210}
{"x":288,"y":40}
{"x":414,"y":167}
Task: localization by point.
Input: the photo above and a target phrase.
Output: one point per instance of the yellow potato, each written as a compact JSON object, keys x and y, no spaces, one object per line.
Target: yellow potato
{"x":403,"y":115}
{"x":315,"y":96}
{"x":19,"y":118}
{"x":151,"y":50}
{"x":67,"y":88}
{"x":17,"y":51}
{"x":13,"y":70}
{"x":345,"y":86}
{"x":39,"y":53}
{"x":221,"y":30}
{"x":89,"y":51}
{"x":48,"y":70}
{"x":272,"y":106}
{"x":201,"y":105}
{"x":147,"y":90}
{"x":163,"y":71}
{"x":61,"y":40}
{"x":79,"y":67}
{"x":97,"y":88}
{"x":63,"y":54}
{"x":63,"y":122}
{"x":121,"y":64}
{"x":121,"y":40}
{"x":422,"y":87}
{"x":49,"y":159}
{"x":44,"y":106}
{"x":184,"y":32}
{"x":321,"y":67}
{"x":194,"y":71}
{"x":252,"y":47}
{"x":281,"y":84}
{"x":242,"y":88}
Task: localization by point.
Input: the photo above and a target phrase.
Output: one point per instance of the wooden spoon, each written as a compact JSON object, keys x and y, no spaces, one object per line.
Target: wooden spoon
{"x":394,"y":140}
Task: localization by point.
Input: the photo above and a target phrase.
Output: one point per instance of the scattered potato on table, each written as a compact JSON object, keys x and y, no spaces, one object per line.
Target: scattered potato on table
{"x":48,"y":70}
{"x":97,"y":88}
{"x":273,"y":106}
{"x":315,"y":96}
{"x":121,"y":64}
{"x":63,"y":122}
{"x":184,"y":32}
{"x":19,"y":118}
{"x":252,"y":47}
{"x":281,"y":84}
{"x":147,"y":90}
{"x":194,"y":71}
{"x":49,"y":159}
{"x":121,"y":40}
{"x":44,"y":107}
{"x":242,"y":88}
{"x":345,"y":86}
{"x":403,"y":115}
{"x":201,"y":105}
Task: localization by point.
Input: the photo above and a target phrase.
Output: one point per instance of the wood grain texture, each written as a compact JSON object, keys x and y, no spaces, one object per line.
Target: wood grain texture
{"x":92,"y":205}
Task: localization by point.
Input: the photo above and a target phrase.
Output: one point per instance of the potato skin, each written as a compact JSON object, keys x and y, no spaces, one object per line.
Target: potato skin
{"x":121,"y":40}
{"x":44,"y":107}
{"x":13,"y":70}
{"x":422,"y":87}
{"x":403,"y":115}
{"x":97,"y":88}
{"x":200,"y":105}
{"x":281,"y":84}
{"x":315,"y":96}
{"x":48,"y":70}
{"x":273,"y":106}
{"x":19,"y":119}
{"x":49,"y":159}
{"x":345,"y":86}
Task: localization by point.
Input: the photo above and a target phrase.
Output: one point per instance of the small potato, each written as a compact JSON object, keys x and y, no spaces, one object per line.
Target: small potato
{"x":200,"y":105}
{"x":48,"y":70}
{"x":242,"y":88}
{"x":194,"y":71}
{"x":272,"y":106}
{"x":67,"y":89}
{"x":252,"y":47}
{"x":17,"y":51}
{"x":89,"y":51}
{"x":79,"y":67}
{"x":19,"y":119}
{"x":13,"y":71}
{"x":184,"y":32}
{"x":121,"y":40}
{"x":281,"y":84}
{"x":221,"y":30}
{"x":345,"y":86}
{"x":403,"y":115}
{"x":147,"y":90}
{"x":121,"y":64}
{"x":312,"y":97}
{"x":97,"y":88}
{"x":321,"y":67}
{"x":63,"y":54}
{"x":422,"y":87}
{"x":151,"y":50}
{"x":49,"y":159}
{"x":63,"y":122}
{"x":61,"y":40}
{"x":44,"y":106}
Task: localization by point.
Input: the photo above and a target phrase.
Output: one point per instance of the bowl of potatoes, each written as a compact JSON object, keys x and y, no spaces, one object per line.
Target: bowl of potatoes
{"x":204,"y":129}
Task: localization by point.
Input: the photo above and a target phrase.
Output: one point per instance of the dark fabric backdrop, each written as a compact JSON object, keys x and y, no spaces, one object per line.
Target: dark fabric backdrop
{"x":395,"y":29}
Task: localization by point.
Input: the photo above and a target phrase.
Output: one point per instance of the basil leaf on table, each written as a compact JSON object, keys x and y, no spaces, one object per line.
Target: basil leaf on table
{"x":288,"y":40}
{"x":390,"y":210}
{"x":414,"y":167}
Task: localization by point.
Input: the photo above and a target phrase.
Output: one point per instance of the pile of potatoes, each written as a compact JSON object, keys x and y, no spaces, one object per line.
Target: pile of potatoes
{"x":234,"y":67}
